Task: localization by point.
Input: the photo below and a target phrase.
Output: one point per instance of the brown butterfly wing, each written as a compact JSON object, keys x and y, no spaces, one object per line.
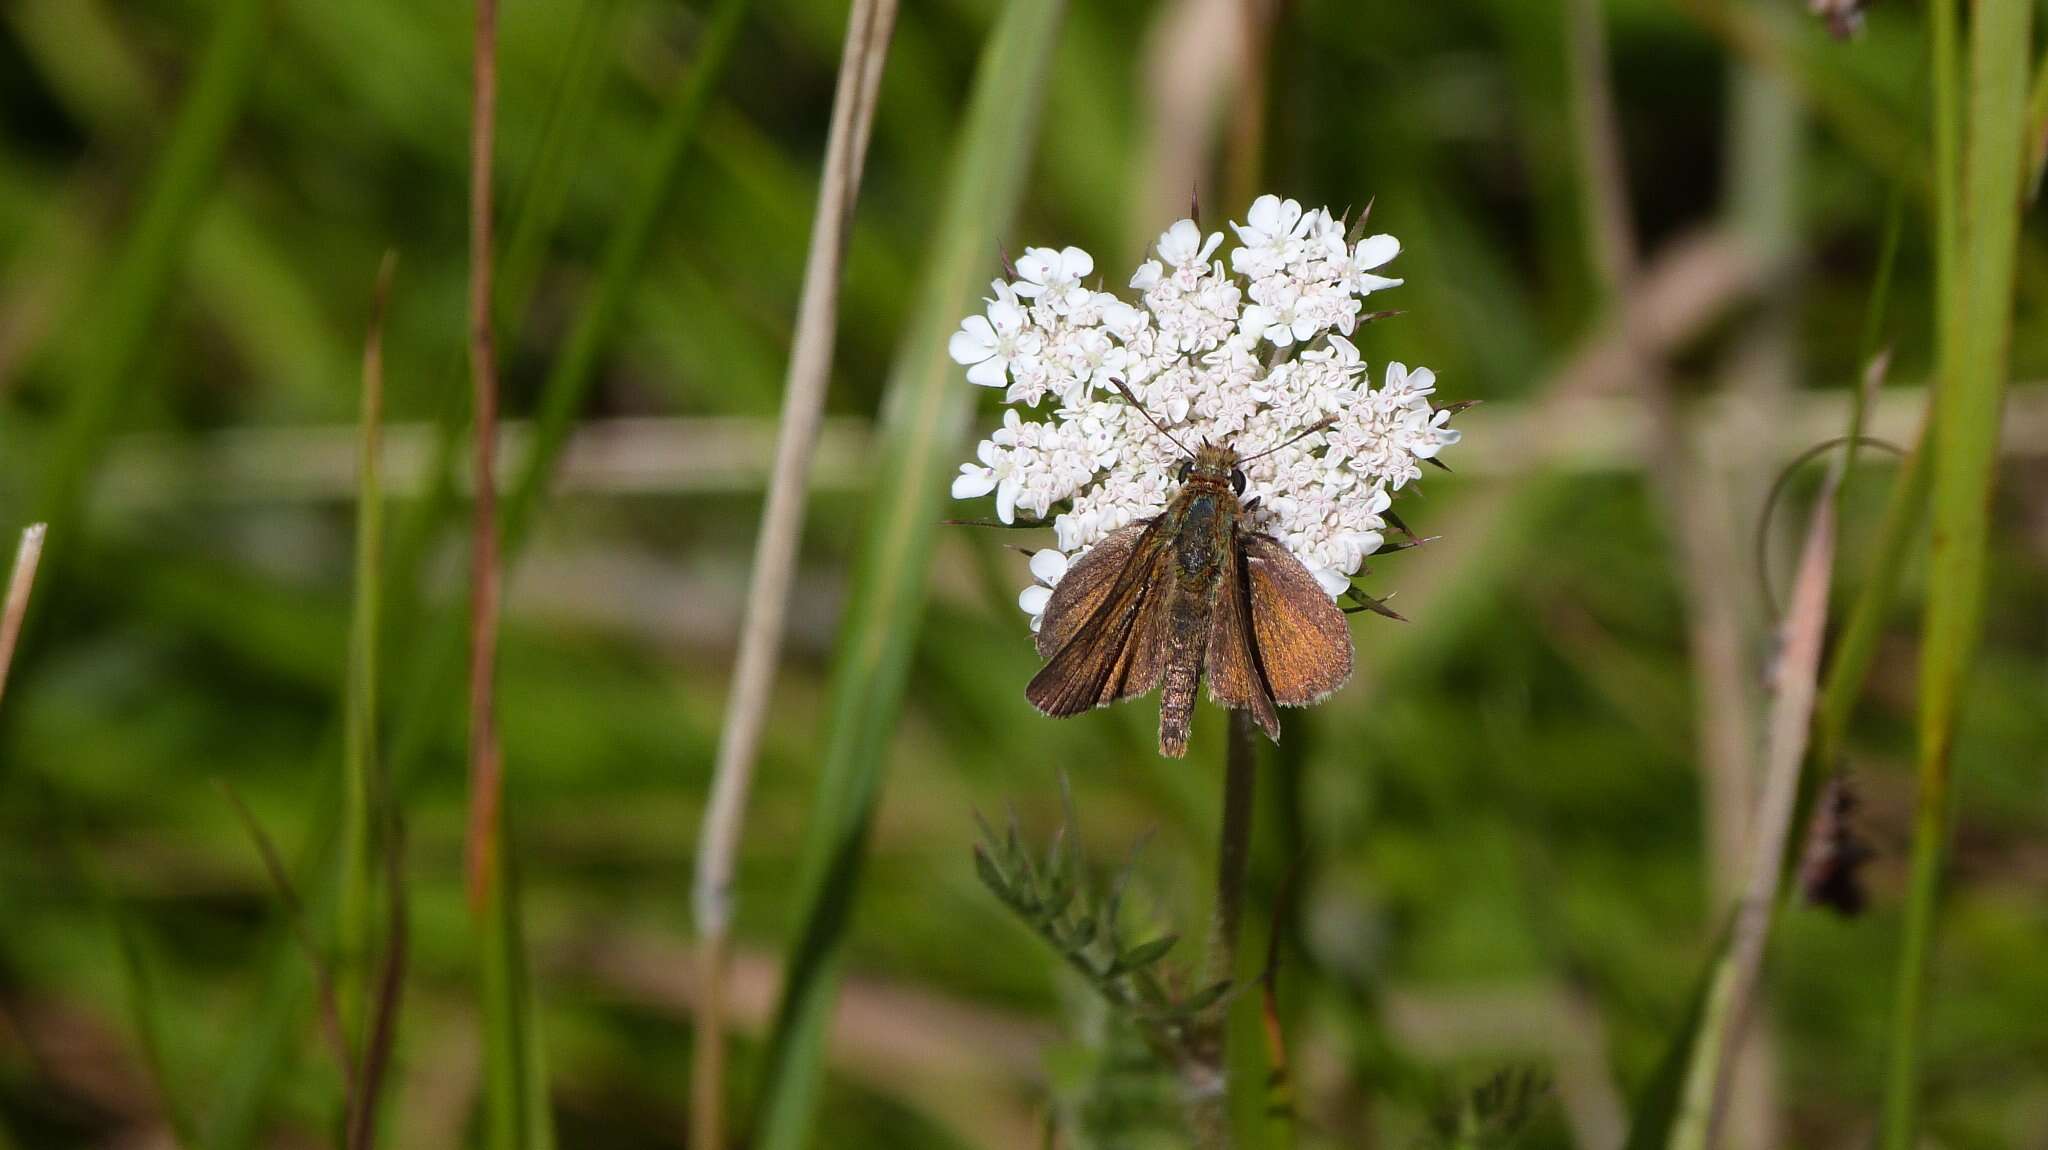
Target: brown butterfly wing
{"x":1082,"y":590}
{"x":1234,"y":679}
{"x":1113,"y":652}
{"x":1300,"y":637}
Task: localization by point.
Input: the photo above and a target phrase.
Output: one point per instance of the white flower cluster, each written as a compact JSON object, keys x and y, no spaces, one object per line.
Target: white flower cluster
{"x":1250,"y":357}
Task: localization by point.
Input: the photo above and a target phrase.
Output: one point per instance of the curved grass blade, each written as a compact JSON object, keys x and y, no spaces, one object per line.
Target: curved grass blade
{"x":923,"y":416}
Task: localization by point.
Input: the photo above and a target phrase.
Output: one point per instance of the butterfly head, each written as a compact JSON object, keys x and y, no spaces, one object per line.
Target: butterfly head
{"x":1214,"y":466}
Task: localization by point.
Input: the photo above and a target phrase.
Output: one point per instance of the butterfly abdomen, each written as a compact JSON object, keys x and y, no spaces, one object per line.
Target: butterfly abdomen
{"x":1186,"y":640}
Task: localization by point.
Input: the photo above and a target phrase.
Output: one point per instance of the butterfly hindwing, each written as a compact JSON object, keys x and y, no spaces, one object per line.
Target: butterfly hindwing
{"x":1234,"y":678}
{"x":1300,"y":637}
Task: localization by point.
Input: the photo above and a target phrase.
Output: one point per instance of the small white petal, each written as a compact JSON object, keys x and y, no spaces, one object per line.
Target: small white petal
{"x":990,"y":372}
{"x":1375,"y":251}
{"x":973,"y":482}
{"x":1033,"y":599}
{"x":965,"y":346}
{"x":1049,"y":565}
{"x":1333,"y":582}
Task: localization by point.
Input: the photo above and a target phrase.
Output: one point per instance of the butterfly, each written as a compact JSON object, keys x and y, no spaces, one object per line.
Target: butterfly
{"x":1192,"y":593}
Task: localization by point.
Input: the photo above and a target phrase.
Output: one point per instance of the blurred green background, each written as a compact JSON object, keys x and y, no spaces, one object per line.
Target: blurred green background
{"x":1505,"y":834}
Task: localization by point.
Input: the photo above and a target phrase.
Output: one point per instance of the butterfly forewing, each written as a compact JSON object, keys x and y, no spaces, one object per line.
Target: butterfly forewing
{"x":1112,"y":651}
{"x":1302,"y":641}
{"x":1082,"y":590}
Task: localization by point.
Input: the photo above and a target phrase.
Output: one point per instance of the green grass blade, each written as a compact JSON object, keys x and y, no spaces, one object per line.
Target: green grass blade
{"x":546,"y":190}
{"x":133,"y":292}
{"x":1975,"y":348}
{"x":516,"y":1103}
{"x":359,"y":696}
{"x":924,"y":414}
{"x":625,"y":253}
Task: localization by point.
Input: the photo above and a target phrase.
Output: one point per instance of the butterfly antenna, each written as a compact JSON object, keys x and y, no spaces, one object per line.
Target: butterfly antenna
{"x":1304,"y":433}
{"x":1160,"y":427}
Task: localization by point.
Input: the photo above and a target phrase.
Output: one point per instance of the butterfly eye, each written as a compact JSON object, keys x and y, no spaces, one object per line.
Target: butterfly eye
{"x":1185,"y":468}
{"x":1237,"y":480}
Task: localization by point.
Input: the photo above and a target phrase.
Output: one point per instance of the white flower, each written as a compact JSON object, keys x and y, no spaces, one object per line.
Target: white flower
{"x":1269,"y":230}
{"x":989,"y":345}
{"x":1182,"y":245}
{"x":1047,"y":566}
{"x":1054,"y":277}
{"x":1373,"y":253}
{"x":1248,"y":351}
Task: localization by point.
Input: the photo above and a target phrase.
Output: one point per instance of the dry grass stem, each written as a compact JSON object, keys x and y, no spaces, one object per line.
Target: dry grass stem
{"x":27,"y":555}
{"x":869,"y":27}
{"x":1794,"y":683}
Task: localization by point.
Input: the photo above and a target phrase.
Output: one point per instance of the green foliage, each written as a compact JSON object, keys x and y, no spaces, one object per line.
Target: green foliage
{"x":1504,"y":801}
{"x":1054,"y":897}
{"x":1492,"y":1115}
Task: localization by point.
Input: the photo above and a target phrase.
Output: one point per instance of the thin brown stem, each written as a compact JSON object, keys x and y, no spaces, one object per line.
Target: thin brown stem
{"x":26,"y":558}
{"x":868,"y":31}
{"x":486,"y":781}
{"x":390,"y":988}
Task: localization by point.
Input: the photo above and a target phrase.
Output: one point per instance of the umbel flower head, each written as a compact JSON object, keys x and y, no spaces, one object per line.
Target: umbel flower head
{"x":1247,"y":348}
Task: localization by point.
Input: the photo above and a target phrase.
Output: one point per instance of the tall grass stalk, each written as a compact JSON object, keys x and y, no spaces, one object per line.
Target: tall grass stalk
{"x":359,"y":697}
{"x":370,"y":809}
{"x":1976,"y":303}
{"x":924,"y":414}
{"x":485,"y":762}
{"x":515,"y":1084}
{"x":868,"y":29}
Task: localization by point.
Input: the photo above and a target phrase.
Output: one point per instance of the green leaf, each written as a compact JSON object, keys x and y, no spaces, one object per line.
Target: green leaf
{"x":924,"y":418}
{"x":1143,"y":955}
{"x":991,"y":874}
